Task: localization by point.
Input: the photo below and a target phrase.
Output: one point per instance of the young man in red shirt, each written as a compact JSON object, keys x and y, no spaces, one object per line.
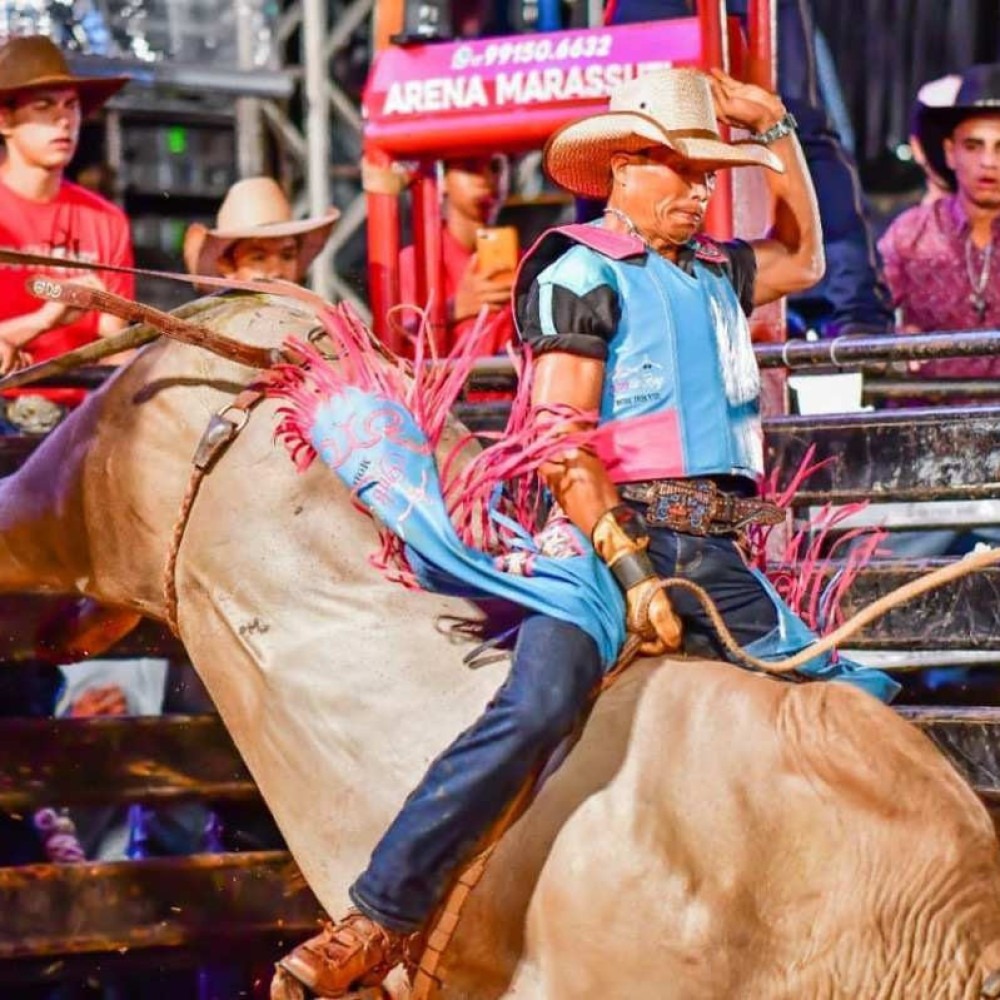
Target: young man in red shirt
{"x":475,"y":188}
{"x":41,"y":107}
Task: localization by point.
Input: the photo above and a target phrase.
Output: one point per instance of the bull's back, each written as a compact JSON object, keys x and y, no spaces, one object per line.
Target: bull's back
{"x":760,"y":840}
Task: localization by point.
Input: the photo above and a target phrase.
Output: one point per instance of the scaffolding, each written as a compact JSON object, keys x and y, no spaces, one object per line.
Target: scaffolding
{"x":326,"y":48}
{"x":280,"y":81}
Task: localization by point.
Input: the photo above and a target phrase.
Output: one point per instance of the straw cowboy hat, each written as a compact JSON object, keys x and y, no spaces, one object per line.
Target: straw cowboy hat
{"x":978,"y":93}
{"x":34,"y":62}
{"x":255,"y":209}
{"x":671,"y":108}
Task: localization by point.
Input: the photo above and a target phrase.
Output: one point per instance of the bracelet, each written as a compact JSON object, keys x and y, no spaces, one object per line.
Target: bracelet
{"x":784,"y":126}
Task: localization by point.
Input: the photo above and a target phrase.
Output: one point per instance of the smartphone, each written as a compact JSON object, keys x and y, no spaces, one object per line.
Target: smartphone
{"x":497,"y":251}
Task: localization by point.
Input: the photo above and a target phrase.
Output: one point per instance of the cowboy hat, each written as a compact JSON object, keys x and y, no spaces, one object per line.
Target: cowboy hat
{"x":671,"y":108}
{"x":255,"y":209}
{"x":33,"y":62}
{"x":978,"y":93}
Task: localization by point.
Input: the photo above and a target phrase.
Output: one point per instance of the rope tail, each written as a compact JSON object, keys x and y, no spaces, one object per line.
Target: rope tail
{"x":969,"y":564}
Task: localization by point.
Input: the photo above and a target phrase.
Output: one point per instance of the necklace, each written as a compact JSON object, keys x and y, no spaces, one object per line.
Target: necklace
{"x":978,"y":299}
{"x":628,"y":224}
{"x":633,"y":229}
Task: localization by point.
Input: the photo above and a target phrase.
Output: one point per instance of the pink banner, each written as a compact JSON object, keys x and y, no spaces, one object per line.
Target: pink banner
{"x":510,"y":93}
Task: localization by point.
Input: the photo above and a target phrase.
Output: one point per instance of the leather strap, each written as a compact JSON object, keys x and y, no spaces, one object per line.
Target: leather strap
{"x":223,"y":428}
{"x":87,"y":298}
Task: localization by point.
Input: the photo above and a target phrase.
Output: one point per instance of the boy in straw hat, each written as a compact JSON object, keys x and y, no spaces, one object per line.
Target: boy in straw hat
{"x":255,"y":236}
{"x":41,"y":107}
{"x":639,"y":319}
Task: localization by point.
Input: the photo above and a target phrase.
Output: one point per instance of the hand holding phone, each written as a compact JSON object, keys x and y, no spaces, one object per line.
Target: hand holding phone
{"x":489,"y":277}
{"x":497,"y":252}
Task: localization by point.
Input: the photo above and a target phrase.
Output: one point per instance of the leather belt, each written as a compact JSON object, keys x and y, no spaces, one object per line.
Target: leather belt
{"x":699,"y":507}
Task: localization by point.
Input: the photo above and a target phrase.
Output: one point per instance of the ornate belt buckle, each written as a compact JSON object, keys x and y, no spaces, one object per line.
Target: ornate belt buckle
{"x":701,"y":508}
{"x":684,"y":507}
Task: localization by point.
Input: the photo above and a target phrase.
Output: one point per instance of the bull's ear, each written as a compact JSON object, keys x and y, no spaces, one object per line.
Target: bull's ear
{"x":991,"y":986}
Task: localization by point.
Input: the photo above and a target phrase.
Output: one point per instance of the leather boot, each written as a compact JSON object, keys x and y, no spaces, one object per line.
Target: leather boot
{"x":354,"y":952}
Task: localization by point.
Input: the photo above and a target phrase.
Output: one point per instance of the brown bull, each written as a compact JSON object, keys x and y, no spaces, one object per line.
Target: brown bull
{"x":713,"y":834}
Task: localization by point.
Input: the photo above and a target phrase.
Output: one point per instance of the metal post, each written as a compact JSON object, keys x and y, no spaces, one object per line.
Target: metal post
{"x":715,"y":54}
{"x":429,"y":254}
{"x":249,"y":123}
{"x":314,"y":24}
{"x":769,"y":323}
{"x":762,"y":29}
{"x":383,"y":257}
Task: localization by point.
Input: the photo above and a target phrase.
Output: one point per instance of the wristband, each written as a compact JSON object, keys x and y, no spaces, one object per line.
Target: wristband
{"x":621,"y":538}
{"x":632,"y":569}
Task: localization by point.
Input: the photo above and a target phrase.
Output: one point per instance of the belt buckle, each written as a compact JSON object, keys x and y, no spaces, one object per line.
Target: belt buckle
{"x":727,"y":513}
{"x":685,"y":507}
{"x":703,"y":507}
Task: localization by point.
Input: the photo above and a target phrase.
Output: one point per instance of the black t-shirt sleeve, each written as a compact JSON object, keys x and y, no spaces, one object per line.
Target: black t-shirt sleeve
{"x":571,"y":308}
{"x":741,"y":271}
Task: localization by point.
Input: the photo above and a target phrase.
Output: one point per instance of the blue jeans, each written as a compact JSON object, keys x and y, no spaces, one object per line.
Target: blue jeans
{"x":555,"y":669}
{"x":553,"y":677}
{"x":858,"y":298}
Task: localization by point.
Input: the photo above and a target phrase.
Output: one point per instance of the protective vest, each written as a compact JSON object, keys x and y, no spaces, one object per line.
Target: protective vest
{"x":681,"y":391}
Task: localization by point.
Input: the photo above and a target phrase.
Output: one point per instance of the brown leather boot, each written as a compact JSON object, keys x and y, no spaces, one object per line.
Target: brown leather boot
{"x":353,"y":952}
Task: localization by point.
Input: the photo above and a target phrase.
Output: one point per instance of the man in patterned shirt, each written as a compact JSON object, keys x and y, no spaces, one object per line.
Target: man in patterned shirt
{"x":942,"y":260}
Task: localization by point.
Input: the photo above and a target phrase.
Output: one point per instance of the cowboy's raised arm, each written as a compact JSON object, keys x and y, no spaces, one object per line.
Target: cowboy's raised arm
{"x":790,"y":258}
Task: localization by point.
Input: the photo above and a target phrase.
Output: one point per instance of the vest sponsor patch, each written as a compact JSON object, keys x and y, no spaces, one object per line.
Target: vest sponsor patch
{"x":637,"y":384}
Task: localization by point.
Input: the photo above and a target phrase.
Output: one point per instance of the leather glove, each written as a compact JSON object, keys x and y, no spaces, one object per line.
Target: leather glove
{"x":621,"y":539}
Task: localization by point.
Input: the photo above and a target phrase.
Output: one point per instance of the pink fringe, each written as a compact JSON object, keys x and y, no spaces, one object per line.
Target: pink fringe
{"x":802,"y":576}
{"x":428,"y":388}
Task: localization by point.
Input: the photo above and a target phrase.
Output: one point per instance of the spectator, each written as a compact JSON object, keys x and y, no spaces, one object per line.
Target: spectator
{"x":256,"y":237}
{"x":941,"y":258}
{"x":853,"y":292}
{"x":475,"y":189}
{"x":41,"y":108}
